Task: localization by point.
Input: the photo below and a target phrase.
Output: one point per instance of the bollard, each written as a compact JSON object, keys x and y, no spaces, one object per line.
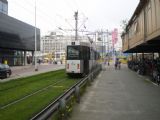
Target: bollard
{"x":77,"y":94}
{"x":89,"y":80}
{"x":62,"y":110}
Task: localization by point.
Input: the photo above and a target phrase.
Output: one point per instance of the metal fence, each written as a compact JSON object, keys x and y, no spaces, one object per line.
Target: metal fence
{"x":59,"y":102}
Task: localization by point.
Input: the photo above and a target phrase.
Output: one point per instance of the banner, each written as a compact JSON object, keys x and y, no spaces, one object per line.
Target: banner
{"x":114,"y":36}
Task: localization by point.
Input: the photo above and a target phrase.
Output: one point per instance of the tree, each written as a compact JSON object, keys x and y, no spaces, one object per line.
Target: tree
{"x":124,"y":24}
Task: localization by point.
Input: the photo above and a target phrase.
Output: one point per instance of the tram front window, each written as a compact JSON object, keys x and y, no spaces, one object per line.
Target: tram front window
{"x":73,"y":53}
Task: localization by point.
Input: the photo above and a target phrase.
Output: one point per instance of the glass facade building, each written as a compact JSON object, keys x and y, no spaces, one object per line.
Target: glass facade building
{"x":4,"y":6}
{"x":16,"y":40}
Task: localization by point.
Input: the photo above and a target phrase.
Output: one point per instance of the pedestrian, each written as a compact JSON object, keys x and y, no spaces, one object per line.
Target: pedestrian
{"x":119,"y":64}
{"x":116,"y":63}
{"x":108,"y":61}
{"x":39,"y":61}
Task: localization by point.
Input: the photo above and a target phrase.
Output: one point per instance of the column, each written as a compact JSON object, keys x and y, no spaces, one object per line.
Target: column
{"x":33,"y":57}
{"x":25,"y":59}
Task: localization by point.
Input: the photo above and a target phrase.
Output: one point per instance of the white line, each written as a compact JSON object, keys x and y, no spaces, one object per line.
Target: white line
{"x":154,"y":83}
{"x":151,"y":82}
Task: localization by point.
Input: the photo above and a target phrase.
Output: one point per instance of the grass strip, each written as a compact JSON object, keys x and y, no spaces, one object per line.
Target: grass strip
{"x":43,"y":89}
{"x":25,"y":109}
{"x":22,"y":81}
{"x":19,"y":91}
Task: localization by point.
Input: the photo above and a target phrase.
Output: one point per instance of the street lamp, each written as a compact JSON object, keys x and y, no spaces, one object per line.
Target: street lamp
{"x":36,"y":67}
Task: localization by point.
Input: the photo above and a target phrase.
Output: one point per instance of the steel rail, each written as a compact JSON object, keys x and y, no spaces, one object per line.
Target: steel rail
{"x":55,"y":105}
{"x":29,"y":95}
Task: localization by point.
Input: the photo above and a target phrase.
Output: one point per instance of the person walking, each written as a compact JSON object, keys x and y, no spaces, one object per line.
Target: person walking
{"x":119,"y":64}
{"x":116,"y":64}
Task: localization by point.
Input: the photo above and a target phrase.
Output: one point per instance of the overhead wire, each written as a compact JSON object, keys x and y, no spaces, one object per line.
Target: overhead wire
{"x":40,"y":11}
{"x":32,"y":12}
{"x":49,"y":18}
{"x":84,"y":18}
{"x":60,"y":16}
{"x":69,"y":6}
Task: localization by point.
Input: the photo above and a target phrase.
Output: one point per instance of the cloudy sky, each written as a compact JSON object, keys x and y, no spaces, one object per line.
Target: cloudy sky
{"x":94,"y":14}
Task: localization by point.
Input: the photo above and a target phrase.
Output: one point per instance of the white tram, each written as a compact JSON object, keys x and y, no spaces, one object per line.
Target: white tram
{"x":81,"y":58}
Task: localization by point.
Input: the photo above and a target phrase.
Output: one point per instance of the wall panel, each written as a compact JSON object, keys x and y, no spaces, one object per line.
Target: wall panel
{"x":153,"y":16}
{"x":15,"y":34}
{"x":149,"y":19}
{"x":158,"y":13}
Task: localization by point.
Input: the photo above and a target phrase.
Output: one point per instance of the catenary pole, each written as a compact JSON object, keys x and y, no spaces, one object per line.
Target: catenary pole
{"x":36,"y":67}
{"x":76,"y":25}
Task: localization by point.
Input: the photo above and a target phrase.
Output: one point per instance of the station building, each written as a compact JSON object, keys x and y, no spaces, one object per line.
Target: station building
{"x":142,"y":34}
{"x":16,"y":39}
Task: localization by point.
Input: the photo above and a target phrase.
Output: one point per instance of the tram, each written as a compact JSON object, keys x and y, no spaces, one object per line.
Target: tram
{"x":81,"y":58}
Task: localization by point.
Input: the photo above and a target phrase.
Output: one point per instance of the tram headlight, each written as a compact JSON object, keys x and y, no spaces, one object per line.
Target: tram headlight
{"x":78,"y":66}
{"x":67,"y":66}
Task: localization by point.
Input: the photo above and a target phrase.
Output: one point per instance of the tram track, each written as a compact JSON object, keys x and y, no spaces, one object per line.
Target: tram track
{"x":35,"y":102}
{"x":29,"y":95}
{"x":32,"y":85}
{"x":60,"y":101}
{"x":23,"y":83}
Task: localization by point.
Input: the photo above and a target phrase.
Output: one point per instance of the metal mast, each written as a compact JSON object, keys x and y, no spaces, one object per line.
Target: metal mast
{"x":36,"y":67}
{"x":76,"y":25}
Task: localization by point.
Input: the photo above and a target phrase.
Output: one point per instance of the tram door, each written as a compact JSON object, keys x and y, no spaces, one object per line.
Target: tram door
{"x":85,"y":56}
{"x":86,"y":66}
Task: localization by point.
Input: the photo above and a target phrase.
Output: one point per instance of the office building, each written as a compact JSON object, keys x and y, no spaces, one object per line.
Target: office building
{"x":4,"y":6}
{"x":16,"y":40}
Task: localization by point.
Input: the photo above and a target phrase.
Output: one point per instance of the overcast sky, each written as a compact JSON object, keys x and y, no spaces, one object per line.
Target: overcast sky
{"x":97,"y":14}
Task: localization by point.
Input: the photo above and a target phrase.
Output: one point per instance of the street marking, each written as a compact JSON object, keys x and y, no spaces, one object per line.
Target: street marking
{"x":148,"y":80}
{"x":154,"y":84}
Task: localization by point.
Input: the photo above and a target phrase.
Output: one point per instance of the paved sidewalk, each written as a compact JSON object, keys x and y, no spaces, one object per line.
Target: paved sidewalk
{"x":119,"y":95}
{"x":24,"y":71}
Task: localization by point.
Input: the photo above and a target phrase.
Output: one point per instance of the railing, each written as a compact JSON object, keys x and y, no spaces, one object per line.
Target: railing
{"x":74,"y":90}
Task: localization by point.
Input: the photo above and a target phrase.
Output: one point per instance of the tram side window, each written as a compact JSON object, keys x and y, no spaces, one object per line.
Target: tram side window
{"x":88,"y":53}
{"x":81,"y":53}
{"x":84,"y":53}
{"x":73,"y":53}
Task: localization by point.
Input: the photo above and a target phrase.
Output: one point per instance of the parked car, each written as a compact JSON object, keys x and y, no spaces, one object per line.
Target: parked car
{"x":5,"y":71}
